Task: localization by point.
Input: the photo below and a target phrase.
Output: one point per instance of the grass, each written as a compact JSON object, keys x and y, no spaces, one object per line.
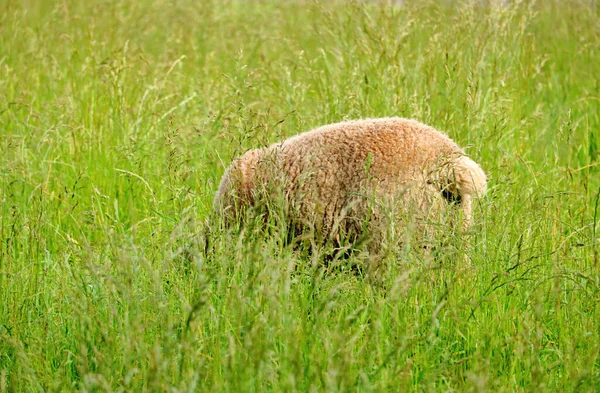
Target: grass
{"x":117,"y":119}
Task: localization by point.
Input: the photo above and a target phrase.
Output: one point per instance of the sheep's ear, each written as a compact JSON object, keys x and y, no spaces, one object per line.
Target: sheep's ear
{"x":457,"y":178}
{"x":469,"y":178}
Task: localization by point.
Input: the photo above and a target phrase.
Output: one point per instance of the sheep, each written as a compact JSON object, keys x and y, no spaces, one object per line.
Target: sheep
{"x":343,"y":180}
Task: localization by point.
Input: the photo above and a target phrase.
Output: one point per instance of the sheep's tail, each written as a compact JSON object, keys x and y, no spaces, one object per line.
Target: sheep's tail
{"x":235,"y":190}
{"x":468,"y":178}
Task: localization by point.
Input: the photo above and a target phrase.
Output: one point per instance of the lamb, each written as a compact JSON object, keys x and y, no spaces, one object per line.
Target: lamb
{"x":341,"y":181}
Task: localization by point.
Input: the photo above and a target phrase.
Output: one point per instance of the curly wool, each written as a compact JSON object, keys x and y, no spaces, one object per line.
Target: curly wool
{"x":334,"y":178}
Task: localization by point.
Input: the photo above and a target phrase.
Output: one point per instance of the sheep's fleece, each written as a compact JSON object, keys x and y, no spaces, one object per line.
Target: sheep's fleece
{"x":343,"y":179}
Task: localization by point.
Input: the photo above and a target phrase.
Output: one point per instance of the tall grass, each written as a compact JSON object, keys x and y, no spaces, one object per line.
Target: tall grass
{"x":117,"y":119}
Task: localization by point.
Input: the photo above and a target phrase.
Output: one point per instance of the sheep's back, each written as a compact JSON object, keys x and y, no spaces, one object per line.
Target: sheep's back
{"x":346,"y":156}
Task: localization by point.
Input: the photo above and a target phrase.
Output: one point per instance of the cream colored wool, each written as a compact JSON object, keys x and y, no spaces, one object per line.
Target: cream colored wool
{"x":391,"y":172}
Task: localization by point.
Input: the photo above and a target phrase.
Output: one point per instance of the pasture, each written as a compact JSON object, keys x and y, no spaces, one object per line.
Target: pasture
{"x":118,"y":118}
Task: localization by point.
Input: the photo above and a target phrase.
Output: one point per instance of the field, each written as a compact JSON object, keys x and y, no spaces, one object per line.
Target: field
{"x":117,"y":119}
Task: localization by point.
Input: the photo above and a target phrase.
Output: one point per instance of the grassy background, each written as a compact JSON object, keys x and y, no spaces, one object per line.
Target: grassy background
{"x":117,"y":119}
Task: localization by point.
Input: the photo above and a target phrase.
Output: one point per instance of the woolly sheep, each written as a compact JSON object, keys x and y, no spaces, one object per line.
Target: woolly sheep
{"x":339,"y":179}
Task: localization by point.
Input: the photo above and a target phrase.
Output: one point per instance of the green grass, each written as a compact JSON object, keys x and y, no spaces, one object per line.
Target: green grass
{"x":117,"y":119}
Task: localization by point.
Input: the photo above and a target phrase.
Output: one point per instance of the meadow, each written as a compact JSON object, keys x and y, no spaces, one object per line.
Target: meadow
{"x":118,"y":118}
